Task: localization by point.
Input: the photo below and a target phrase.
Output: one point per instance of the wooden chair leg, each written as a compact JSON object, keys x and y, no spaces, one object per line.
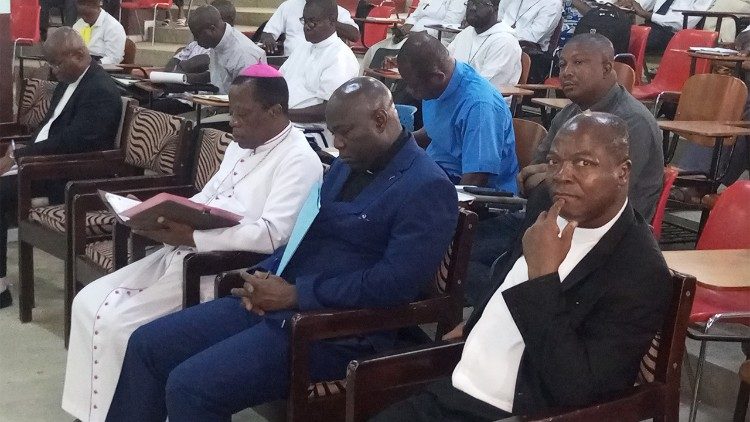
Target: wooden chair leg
{"x":70,"y":292}
{"x":25,"y":281}
{"x":743,"y":398}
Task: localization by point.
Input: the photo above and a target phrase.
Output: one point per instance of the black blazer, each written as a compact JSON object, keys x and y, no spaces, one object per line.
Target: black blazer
{"x":89,"y":121}
{"x":585,"y":337}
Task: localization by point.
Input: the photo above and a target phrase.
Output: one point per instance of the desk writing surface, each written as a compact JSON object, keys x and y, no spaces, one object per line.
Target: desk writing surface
{"x":718,"y":57}
{"x":556,"y":103}
{"x":712,"y":129}
{"x":506,"y":90}
{"x":722,"y":269}
{"x":537,"y":87}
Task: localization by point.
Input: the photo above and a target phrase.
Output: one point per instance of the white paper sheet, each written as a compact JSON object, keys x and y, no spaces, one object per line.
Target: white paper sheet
{"x":168,"y":77}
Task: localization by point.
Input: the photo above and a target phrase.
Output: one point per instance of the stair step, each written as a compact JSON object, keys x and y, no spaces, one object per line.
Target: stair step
{"x":181,"y":35}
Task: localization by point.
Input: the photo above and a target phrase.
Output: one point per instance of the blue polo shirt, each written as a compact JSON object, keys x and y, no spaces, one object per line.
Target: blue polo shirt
{"x":471,"y":129}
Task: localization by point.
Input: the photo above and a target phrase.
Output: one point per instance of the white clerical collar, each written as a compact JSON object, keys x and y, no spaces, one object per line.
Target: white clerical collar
{"x":326,"y":42}
{"x":269,"y":144}
{"x":582,"y":235}
{"x":223,"y":45}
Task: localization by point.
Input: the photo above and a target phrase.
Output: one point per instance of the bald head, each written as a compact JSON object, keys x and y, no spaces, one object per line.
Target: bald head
{"x":363,"y":119}
{"x":207,"y":27}
{"x":608,"y":130}
{"x":594,"y":42}
{"x":425,"y":66}
{"x":66,"y":54}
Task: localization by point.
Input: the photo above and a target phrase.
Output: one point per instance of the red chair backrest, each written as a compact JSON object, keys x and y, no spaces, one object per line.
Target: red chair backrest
{"x":350,"y":5}
{"x":674,"y":68}
{"x":24,"y":20}
{"x":375,"y":32}
{"x":637,"y":47}
{"x":670,"y":174}
{"x":414,"y":5}
{"x":728,"y":224}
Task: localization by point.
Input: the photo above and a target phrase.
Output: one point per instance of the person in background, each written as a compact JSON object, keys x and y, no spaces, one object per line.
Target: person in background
{"x":286,"y":20}
{"x":68,"y":10}
{"x":468,"y":128}
{"x":85,"y":94}
{"x":102,"y":34}
{"x":431,"y":12}
{"x":488,"y":45}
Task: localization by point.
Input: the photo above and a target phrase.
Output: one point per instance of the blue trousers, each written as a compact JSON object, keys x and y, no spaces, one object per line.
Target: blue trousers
{"x":210,"y":361}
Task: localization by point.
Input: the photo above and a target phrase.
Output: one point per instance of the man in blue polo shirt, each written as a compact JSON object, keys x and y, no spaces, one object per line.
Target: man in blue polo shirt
{"x":468,"y":128}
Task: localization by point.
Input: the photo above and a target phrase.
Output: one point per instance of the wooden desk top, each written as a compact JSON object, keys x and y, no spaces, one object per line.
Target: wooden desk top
{"x":443,"y":28}
{"x":537,"y":87}
{"x":556,"y":103}
{"x":506,"y":90}
{"x":112,"y":68}
{"x":381,"y":21}
{"x":147,"y":86}
{"x":197,"y":99}
{"x":717,"y":269}
{"x":740,"y":123}
{"x":384,"y":73}
{"x":717,"y":57}
{"x":713,"y":129}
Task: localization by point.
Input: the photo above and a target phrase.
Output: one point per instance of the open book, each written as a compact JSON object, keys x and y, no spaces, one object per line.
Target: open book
{"x":143,"y":215}
{"x":714,"y":50}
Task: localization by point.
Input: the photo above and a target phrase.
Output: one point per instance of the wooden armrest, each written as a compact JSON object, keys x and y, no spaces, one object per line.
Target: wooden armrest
{"x":115,"y":154}
{"x":376,"y":382}
{"x":17,"y":138}
{"x":122,"y":185}
{"x":13,"y":129}
{"x":196,"y":265}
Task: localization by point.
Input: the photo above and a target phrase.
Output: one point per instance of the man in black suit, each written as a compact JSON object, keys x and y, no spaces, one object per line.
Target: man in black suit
{"x":577,"y":303}
{"x":83,"y":116}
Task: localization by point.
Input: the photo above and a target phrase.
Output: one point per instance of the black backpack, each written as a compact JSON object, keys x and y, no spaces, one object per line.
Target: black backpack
{"x":608,"y":21}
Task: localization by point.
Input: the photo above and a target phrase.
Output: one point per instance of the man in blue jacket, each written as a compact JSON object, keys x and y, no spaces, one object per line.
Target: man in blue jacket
{"x":387,"y":215}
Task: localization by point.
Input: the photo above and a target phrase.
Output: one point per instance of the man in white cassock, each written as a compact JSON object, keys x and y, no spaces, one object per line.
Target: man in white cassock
{"x":488,"y":45}
{"x":316,"y":68}
{"x":265,"y":176}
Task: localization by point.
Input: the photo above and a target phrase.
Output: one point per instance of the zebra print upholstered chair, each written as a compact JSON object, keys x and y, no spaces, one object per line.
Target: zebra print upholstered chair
{"x":153,"y":150}
{"x":92,"y":258}
{"x":33,"y":104}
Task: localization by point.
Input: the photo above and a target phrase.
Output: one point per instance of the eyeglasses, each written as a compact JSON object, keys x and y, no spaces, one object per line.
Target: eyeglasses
{"x":310,"y":22}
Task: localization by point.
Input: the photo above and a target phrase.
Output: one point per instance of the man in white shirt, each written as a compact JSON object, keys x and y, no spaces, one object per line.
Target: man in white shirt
{"x":489,"y":46}
{"x":663,"y":18}
{"x":102,"y":34}
{"x":231,"y":51}
{"x":265,"y":176}
{"x":431,"y":12}
{"x":286,"y":20}
{"x":577,"y":304}
{"x":318,"y":67}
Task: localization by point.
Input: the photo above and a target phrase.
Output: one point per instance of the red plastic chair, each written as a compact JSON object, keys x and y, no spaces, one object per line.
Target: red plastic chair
{"x":374,"y":32}
{"x":674,"y":68}
{"x":24,"y":27}
{"x":413,"y":7}
{"x":727,"y":227}
{"x":637,"y":47}
{"x":670,"y":174}
{"x":350,"y":5}
{"x":136,"y":5}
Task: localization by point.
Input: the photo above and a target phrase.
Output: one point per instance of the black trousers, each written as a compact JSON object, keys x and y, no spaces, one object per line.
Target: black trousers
{"x":67,"y":9}
{"x":8,"y":200}
{"x":440,"y":402}
{"x":658,"y":38}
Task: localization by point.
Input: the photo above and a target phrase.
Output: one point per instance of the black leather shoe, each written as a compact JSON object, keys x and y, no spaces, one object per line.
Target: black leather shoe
{"x":5,"y":299}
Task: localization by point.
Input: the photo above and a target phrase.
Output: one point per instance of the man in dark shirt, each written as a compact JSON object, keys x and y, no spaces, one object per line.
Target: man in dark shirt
{"x":387,"y":214}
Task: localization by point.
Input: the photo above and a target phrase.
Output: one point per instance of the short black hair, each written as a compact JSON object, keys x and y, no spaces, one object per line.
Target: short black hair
{"x":267,"y":91}
{"x":226,"y":9}
{"x":328,"y":7}
{"x":96,"y":3}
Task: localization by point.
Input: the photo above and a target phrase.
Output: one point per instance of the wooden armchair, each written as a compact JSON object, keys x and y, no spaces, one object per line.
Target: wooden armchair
{"x":91,"y":258}
{"x":324,"y":401}
{"x":33,"y":104}
{"x":152,"y":143}
{"x":375,"y":383}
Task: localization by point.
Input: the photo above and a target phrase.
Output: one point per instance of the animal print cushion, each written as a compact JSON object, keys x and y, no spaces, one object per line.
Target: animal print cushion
{"x":35,"y":101}
{"x":213,"y":145}
{"x":326,"y":388}
{"x":97,"y":222}
{"x":152,"y":140}
{"x":648,"y":363}
{"x":101,"y":253}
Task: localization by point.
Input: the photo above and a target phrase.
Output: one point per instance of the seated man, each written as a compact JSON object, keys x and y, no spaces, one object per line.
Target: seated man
{"x":265,"y":176}
{"x":387,"y":215}
{"x":316,"y":68}
{"x":230,"y":50}
{"x":85,"y":94}
{"x":663,"y":19}
{"x":489,"y":46}
{"x":431,"y":12}
{"x":576,"y":306}
{"x":534,"y":22}
{"x":102,"y":34}
{"x":286,"y":20}
{"x":588,"y":80}
{"x":468,"y":128}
